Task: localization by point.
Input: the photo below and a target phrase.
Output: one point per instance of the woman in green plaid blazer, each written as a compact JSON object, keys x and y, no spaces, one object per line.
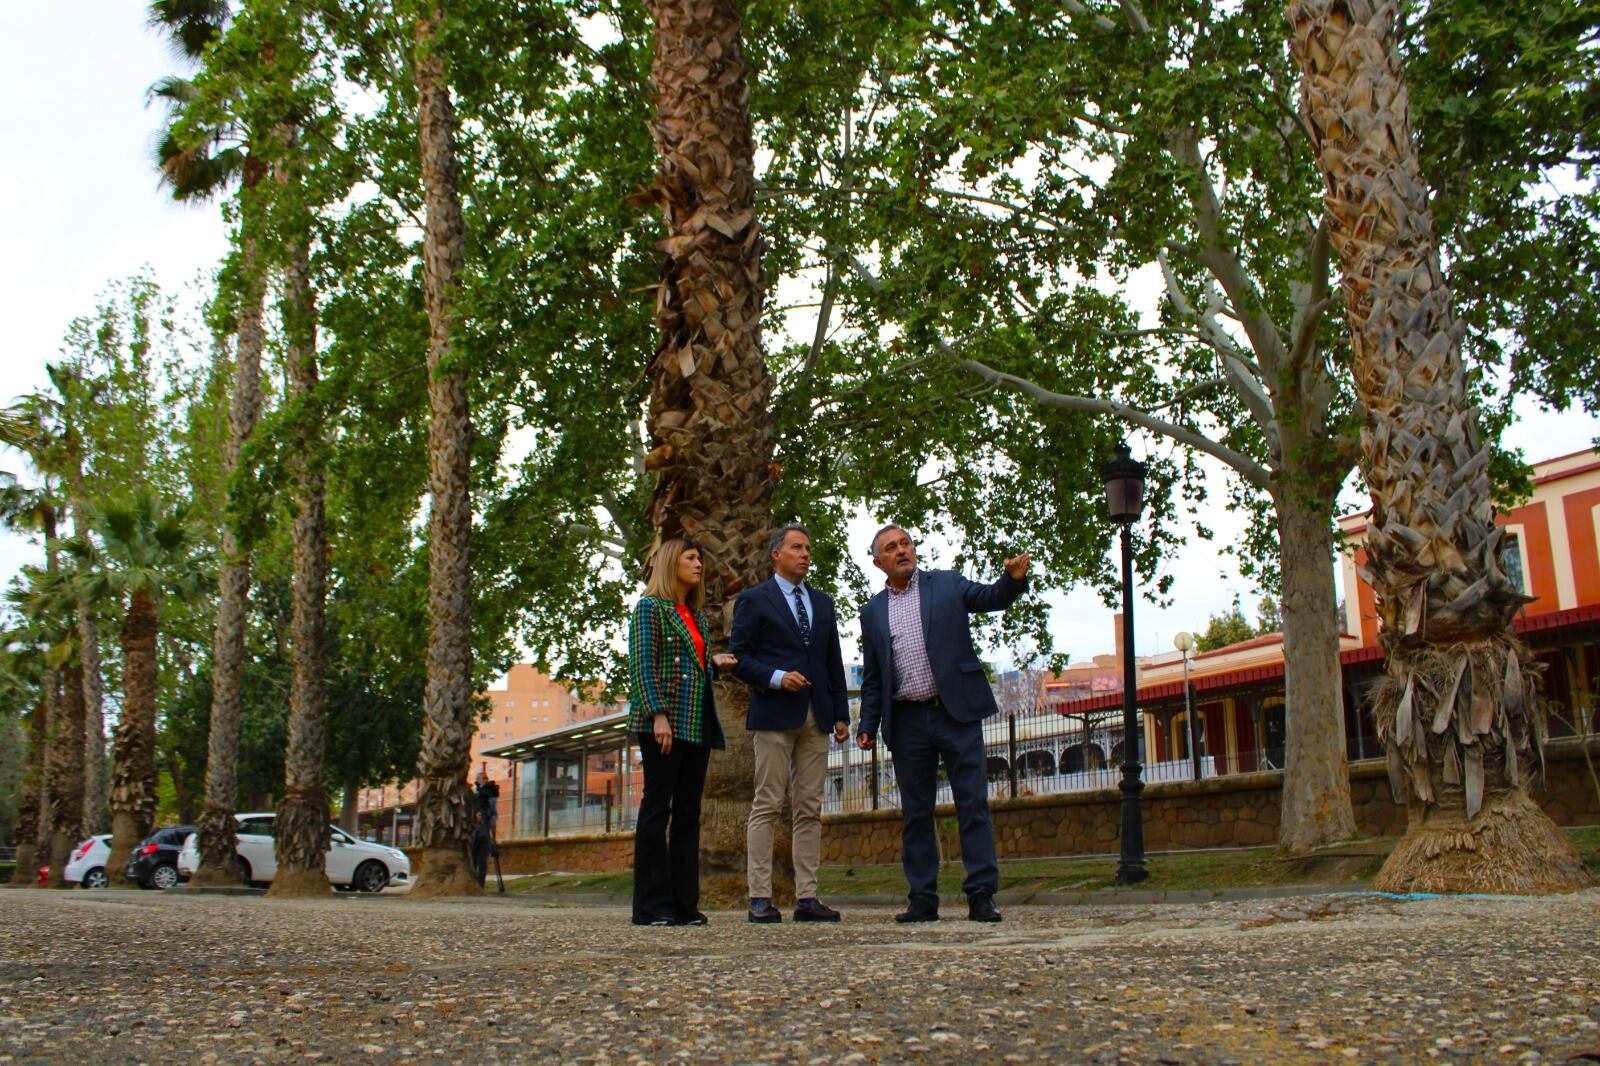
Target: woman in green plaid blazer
{"x":674,"y":716}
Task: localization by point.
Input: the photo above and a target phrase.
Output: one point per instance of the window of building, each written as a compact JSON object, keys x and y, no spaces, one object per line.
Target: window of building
{"x":1511,"y":562}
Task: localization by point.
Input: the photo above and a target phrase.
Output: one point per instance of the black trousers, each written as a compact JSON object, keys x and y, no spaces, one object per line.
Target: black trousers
{"x":925,"y":737}
{"x":666,"y":839}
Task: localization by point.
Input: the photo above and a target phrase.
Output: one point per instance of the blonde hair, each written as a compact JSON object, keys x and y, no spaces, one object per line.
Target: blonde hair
{"x":664,"y":584}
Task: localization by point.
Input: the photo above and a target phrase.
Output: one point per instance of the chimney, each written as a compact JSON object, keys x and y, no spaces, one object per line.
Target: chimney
{"x":1116,"y":624}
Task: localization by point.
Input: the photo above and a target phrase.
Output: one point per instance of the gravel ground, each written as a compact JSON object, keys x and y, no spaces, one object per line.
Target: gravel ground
{"x":139,"y":977}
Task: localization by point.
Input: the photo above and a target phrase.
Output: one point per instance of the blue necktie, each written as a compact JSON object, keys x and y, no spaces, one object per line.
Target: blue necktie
{"x":805,"y":619}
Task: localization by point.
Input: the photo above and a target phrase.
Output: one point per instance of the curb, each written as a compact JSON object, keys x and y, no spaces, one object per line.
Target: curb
{"x":1132,"y":897}
{"x":213,"y":890}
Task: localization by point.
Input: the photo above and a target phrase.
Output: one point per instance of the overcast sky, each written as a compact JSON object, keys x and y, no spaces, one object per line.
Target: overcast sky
{"x":79,"y":208}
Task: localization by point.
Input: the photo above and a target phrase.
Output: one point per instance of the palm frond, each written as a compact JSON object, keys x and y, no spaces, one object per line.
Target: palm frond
{"x":196,"y":172}
{"x":191,"y":24}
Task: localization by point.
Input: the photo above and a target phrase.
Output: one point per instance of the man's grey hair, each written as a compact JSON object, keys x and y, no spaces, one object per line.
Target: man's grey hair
{"x":775,"y":541}
{"x":872,"y":549}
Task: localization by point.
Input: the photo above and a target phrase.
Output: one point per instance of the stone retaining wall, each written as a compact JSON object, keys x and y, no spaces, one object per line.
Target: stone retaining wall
{"x":1236,"y":810}
{"x":595,"y":853}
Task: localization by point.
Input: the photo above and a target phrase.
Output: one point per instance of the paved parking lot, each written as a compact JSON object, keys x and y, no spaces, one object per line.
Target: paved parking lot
{"x":118,"y":976}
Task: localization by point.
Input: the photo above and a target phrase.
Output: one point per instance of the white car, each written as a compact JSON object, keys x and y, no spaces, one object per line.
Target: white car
{"x":87,"y":867}
{"x":357,"y":865}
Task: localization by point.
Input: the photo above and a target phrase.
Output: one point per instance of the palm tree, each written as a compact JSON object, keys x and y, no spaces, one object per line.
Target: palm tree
{"x":23,"y":678}
{"x":710,"y":434}
{"x":302,"y":835}
{"x":64,"y":782}
{"x":49,"y":602}
{"x":1459,"y":710}
{"x":198,"y":166}
{"x":74,"y":393}
{"x":444,"y":807}
{"x":147,"y":551}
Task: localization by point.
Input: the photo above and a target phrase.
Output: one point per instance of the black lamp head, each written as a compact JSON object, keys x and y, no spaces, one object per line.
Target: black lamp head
{"x":1124,"y":479}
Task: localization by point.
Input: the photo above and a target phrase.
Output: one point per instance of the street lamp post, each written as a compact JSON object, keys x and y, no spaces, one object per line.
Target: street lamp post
{"x":1124,"y":481}
{"x":1183,"y":641}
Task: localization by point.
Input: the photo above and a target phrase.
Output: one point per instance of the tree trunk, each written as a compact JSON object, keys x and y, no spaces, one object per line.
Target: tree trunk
{"x":95,"y":814}
{"x":302,"y":836}
{"x":710,"y":433}
{"x":133,"y":770}
{"x":1316,"y":807}
{"x":65,"y":776}
{"x":349,"y":809}
{"x":1458,"y":710}
{"x":444,"y":800}
{"x":219,"y":842}
{"x":29,"y":802}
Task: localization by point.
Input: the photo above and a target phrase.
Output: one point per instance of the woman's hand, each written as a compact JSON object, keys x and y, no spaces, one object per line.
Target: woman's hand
{"x":725,"y":661}
{"x":662,"y":730}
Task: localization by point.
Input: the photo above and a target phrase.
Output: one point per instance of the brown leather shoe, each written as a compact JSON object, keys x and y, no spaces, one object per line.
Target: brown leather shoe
{"x":814,"y":910}
{"x":762,"y":912}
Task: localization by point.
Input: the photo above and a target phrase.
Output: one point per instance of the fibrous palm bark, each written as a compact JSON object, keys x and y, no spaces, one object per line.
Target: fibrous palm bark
{"x":710,"y":433}
{"x":302,"y":836}
{"x":93,"y":808}
{"x":218,"y":841}
{"x":444,"y":807}
{"x":1459,"y":709}
{"x":30,"y":799}
{"x":133,"y":761}
{"x":64,"y":778}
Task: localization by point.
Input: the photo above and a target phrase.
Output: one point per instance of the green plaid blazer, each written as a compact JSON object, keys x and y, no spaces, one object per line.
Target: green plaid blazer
{"x":665,"y":675}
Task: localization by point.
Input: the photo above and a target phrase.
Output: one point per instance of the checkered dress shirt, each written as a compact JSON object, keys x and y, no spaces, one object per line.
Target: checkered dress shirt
{"x":913,"y":673}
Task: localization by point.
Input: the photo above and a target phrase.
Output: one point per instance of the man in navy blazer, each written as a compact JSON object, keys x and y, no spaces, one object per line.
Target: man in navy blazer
{"x":923,"y":687}
{"x":786,"y":637}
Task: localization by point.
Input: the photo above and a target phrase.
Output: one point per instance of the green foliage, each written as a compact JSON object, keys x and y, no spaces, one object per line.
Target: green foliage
{"x":1507,"y":118}
{"x":1231,"y":626}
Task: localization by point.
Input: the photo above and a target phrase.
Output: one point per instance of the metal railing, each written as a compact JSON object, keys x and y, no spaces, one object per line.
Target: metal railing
{"x":1028,"y":754}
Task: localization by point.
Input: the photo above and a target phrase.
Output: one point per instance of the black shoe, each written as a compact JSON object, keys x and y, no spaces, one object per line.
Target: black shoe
{"x":814,"y":910}
{"x":919,"y":911}
{"x":981,"y":908}
{"x":762,"y":912}
{"x":638,"y":920}
{"x":695,"y":919}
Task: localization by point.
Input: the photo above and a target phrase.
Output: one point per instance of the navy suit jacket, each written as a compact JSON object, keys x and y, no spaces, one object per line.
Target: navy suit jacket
{"x":947,"y":599}
{"x":766,"y":637}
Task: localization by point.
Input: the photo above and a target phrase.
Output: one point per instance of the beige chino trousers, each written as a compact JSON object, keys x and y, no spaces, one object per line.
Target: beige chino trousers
{"x":789,"y":763}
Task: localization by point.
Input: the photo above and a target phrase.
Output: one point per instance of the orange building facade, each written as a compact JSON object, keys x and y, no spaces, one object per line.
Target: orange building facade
{"x":1235,"y":695}
{"x":529,"y":702}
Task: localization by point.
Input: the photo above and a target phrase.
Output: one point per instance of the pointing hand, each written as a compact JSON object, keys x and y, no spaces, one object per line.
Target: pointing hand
{"x":1017,"y":566}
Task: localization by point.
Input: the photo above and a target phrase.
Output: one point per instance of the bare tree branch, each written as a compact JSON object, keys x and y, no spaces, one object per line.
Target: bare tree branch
{"x":1265,"y":339}
{"x":1246,"y":467}
{"x":1101,"y":22}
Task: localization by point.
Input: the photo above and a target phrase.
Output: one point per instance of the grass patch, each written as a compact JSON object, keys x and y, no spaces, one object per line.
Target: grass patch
{"x":1255,"y":867}
{"x":619,"y":883}
{"x":1587,"y":840}
{"x":1354,"y":863}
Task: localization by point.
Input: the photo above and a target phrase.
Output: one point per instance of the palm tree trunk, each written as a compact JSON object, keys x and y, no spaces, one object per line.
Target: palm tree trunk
{"x":64,"y":781}
{"x":302,"y":836}
{"x":1458,"y":711}
{"x":88,"y":622}
{"x":444,"y":807}
{"x":133,"y":765}
{"x":218,"y":841}
{"x":30,"y":800}
{"x":711,"y":436}
{"x":95,"y":814}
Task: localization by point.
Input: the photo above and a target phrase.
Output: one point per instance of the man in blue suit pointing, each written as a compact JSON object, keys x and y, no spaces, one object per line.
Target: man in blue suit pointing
{"x":786,"y":637}
{"x":924,"y":688}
